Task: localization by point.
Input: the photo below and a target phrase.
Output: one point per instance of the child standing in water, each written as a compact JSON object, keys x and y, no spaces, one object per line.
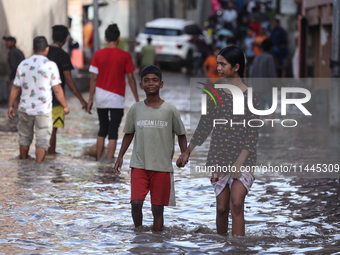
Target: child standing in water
{"x":231,"y":146}
{"x":155,"y":123}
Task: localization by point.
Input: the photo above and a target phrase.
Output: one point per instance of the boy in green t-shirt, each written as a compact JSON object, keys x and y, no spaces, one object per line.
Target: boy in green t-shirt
{"x":155,"y":123}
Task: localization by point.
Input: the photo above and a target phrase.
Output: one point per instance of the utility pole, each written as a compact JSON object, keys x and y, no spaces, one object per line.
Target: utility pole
{"x":335,"y":56}
{"x":96,"y":41}
{"x":202,"y":11}
{"x":334,"y":118}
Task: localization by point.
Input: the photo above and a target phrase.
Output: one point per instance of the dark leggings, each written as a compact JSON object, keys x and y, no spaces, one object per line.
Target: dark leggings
{"x":109,"y":125}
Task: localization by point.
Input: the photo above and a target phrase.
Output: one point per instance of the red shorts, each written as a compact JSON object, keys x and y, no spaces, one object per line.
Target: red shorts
{"x":158,"y":183}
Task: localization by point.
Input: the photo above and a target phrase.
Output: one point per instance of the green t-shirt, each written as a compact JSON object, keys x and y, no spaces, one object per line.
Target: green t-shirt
{"x":148,"y":55}
{"x":155,"y":130}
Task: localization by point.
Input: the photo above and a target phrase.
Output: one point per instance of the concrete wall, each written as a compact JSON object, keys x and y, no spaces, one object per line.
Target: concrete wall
{"x":3,"y":31}
{"x":115,"y":12}
{"x":25,"y":19}
{"x":320,"y":18}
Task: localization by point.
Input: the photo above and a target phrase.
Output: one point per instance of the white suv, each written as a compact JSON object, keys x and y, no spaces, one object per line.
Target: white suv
{"x":171,"y":38}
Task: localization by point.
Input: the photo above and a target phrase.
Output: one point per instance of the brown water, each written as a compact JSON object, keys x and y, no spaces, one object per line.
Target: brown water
{"x":71,"y":204}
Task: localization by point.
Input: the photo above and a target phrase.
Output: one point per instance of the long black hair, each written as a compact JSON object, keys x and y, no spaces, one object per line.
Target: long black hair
{"x":234,"y":55}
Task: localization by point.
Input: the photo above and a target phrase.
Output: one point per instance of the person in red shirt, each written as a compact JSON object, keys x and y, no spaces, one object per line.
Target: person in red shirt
{"x":109,"y":67}
{"x":255,"y":26}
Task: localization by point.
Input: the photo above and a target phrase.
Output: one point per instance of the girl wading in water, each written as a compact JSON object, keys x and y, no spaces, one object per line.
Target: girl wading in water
{"x":231,"y":147}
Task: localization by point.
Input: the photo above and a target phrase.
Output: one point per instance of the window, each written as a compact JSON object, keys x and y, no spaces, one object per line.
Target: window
{"x":162,"y":31}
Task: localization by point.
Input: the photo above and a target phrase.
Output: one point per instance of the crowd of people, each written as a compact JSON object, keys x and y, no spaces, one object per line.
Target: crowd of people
{"x":42,"y":90}
{"x":153,"y":123}
{"x":247,"y":25}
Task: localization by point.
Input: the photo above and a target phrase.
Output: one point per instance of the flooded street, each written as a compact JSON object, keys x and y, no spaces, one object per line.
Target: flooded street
{"x":71,"y":204}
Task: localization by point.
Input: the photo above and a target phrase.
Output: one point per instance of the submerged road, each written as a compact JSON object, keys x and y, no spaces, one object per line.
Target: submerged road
{"x":71,"y":204}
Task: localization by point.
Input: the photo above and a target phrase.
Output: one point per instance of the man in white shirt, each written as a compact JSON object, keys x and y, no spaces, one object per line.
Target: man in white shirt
{"x":230,"y":15}
{"x":36,"y":77}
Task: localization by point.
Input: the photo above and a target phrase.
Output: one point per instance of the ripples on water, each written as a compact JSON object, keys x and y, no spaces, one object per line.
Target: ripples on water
{"x":71,"y":204}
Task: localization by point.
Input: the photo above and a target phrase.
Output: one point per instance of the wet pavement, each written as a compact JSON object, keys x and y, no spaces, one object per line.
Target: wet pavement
{"x":71,"y":204}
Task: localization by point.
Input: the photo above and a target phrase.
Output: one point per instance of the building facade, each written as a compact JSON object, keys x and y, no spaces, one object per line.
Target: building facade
{"x":25,"y":20}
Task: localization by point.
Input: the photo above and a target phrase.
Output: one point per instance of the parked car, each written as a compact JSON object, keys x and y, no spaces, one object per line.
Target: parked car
{"x":171,"y":37}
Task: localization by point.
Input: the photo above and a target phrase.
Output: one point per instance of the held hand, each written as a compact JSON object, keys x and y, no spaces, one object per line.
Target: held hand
{"x":66,"y":110}
{"x":84,"y":105}
{"x":182,"y":160}
{"x":118,"y":165}
{"x":179,"y":162}
{"x":89,"y":106}
{"x":185,"y":158}
{"x":11,"y":113}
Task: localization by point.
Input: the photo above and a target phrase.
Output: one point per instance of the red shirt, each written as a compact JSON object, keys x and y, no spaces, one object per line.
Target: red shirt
{"x":256,"y":27}
{"x":112,"y":65}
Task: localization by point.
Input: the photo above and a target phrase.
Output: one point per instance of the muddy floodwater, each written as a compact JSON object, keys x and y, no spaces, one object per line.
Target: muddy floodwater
{"x":71,"y":204}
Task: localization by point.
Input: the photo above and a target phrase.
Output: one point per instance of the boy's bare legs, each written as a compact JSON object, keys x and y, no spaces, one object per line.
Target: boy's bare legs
{"x":222,"y":211}
{"x":237,"y":196}
{"x":111,"y":148}
{"x":24,"y":151}
{"x":136,"y":211}
{"x":158,"y":219}
{"x":53,"y":142}
{"x":39,"y":154}
{"x":100,"y":146}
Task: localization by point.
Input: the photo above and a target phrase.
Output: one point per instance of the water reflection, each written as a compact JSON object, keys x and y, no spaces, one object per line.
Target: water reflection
{"x":72,"y":204}
{"x":89,"y":211}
